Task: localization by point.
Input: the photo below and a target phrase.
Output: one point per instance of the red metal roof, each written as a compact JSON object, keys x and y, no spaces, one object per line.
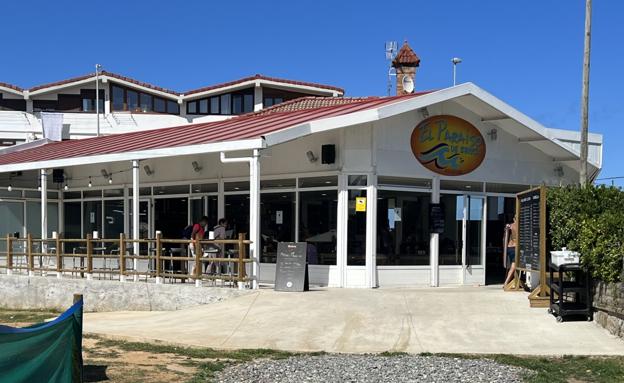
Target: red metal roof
{"x":261,"y":77}
{"x":406,"y":56}
{"x":239,"y":128}
{"x":311,"y":102}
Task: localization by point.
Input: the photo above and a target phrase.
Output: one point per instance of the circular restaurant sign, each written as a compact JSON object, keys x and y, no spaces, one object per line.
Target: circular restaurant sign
{"x":448,"y":145}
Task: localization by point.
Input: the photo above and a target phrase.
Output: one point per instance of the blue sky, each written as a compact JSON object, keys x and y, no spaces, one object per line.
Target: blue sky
{"x":528,"y":53}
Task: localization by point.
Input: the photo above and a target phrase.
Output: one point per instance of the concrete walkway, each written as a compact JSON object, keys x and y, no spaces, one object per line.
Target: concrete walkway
{"x":450,"y":320}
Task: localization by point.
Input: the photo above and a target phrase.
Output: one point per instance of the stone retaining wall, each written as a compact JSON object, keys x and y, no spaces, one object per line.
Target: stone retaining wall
{"x":49,"y":293}
{"x":609,"y":305}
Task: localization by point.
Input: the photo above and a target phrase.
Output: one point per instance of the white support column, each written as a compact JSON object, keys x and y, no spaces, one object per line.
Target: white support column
{"x":258,"y":97}
{"x":254,"y":216}
{"x":371,"y":232}
{"x":43,"y":179}
{"x":135,"y":212}
{"x":220,"y":200}
{"x":341,"y":235}
{"x":434,"y":243}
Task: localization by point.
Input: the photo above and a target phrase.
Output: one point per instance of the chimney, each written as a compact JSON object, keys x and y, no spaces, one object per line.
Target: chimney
{"x":405,"y":64}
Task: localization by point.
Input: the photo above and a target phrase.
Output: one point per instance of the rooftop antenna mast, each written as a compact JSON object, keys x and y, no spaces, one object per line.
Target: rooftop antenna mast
{"x":391,"y":52}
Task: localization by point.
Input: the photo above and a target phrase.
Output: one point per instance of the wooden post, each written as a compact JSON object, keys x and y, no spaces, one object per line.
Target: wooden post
{"x":9,"y":244}
{"x":122,"y":255}
{"x":158,"y":255}
{"x":89,"y":256}
{"x":241,"y":258}
{"x":585,"y":94}
{"x":59,"y":258}
{"x":198,"y":265}
{"x":31,"y":258}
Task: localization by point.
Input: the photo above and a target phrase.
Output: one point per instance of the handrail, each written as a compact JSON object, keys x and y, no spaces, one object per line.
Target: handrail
{"x":90,"y":256}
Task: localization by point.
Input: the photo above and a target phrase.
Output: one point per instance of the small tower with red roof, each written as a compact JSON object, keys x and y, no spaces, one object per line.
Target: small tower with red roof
{"x":405,"y":64}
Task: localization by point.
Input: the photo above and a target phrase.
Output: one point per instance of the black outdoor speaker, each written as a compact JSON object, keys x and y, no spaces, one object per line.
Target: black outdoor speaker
{"x":58,"y":176}
{"x":328,"y":154}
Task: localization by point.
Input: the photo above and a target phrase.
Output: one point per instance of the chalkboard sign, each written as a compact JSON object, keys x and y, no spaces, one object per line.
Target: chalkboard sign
{"x":531,"y":229}
{"x":436,"y":218}
{"x":291,"y":270}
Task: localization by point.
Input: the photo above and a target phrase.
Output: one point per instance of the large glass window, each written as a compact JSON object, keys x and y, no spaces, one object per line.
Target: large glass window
{"x":317,"y":225}
{"x":237,"y":214}
{"x":132,"y":100}
{"x":203,"y":106}
{"x":402,"y":228}
{"x":33,"y":218}
{"x":248,"y":103}
{"x":173,"y":107}
{"x":170,"y":216}
{"x":225,"y":104}
{"x":71,"y":224}
{"x":12,"y":221}
{"x":146,"y":102}
{"x":118,"y":98}
{"x":214,"y":105}
{"x":500,"y":211}
{"x":159,"y":105}
{"x":474,"y":232}
{"x":277,"y":224}
{"x":113,"y":218}
{"x":237,"y":104}
{"x":451,"y":239}
{"x":191,"y":107}
{"x":92,"y":218}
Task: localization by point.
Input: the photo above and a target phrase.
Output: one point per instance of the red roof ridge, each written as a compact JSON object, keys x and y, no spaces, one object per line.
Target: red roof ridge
{"x":266,"y":78}
{"x":104,"y":73}
{"x":341,"y":101}
{"x":11,"y":86}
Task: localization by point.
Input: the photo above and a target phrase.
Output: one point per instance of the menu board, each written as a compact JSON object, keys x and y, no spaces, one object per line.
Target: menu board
{"x":436,"y":218}
{"x":530,"y":229}
{"x":291,"y":270}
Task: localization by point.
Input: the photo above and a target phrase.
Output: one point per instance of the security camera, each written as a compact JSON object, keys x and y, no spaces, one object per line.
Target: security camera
{"x":311,"y":157}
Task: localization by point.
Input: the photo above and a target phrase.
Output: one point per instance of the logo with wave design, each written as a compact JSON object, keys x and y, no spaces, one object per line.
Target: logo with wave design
{"x":448,"y":145}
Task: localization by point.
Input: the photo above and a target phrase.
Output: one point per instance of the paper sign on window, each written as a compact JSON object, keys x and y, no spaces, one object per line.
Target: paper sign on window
{"x":360,"y":204}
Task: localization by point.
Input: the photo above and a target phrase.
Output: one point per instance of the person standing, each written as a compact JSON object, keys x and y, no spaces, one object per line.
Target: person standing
{"x":509,"y":249}
{"x":198,"y":233}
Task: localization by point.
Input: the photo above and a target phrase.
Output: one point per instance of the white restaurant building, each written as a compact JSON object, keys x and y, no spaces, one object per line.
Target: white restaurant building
{"x":353,"y":177}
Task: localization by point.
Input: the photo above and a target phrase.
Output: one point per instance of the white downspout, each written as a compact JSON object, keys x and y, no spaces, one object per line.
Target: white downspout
{"x":43,"y":180}
{"x":254,"y":209}
{"x":135,"y":214}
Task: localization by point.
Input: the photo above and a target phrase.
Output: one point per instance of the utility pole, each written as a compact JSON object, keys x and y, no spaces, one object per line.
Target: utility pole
{"x":585,"y":94}
{"x":97,"y":96}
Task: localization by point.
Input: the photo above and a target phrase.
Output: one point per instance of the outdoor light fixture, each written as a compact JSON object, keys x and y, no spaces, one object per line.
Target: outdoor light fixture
{"x":104,"y":173}
{"x":559,"y":171}
{"x":424,"y":112}
{"x":493,"y":134}
{"x":65,"y":187}
{"x":311,"y":157}
{"x":110,"y":180}
{"x":39,"y":187}
{"x":455,"y":61}
{"x":90,"y":183}
{"x":10,"y":187}
{"x":196,"y":166}
{"x":148,"y":170}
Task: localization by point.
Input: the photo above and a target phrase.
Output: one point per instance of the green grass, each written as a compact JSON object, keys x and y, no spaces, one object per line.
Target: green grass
{"x":564,"y":369}
{"x":10,"y":317}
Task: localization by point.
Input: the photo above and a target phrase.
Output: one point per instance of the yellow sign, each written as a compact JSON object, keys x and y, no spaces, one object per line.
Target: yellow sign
{"x":448,"y":145}
{"x":360,"y":203}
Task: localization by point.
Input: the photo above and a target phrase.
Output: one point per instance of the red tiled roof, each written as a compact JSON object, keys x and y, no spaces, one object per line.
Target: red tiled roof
{"x":249,"y":126}
{"x":173,"y":92}
{"x":261,"y":77}
{"x":406,"y":56}
{"x":10,"y":86}
{"x":109,"y":74}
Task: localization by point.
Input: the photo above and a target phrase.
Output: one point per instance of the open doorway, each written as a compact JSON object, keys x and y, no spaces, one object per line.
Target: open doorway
{"x":500,"y":211}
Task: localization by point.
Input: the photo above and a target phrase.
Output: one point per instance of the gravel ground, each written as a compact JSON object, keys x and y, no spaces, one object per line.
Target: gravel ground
{"x":370,"y":368}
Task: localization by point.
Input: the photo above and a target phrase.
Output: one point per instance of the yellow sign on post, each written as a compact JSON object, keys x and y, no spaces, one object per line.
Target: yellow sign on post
{"x":360,"y":203}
